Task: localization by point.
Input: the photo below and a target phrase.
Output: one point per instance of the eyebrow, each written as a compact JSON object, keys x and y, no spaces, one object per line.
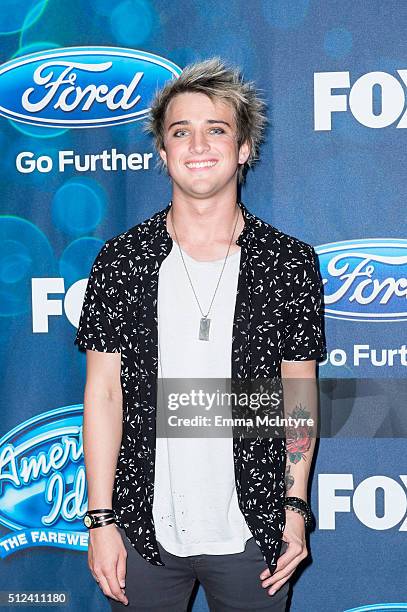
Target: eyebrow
{"x":209,"y":121}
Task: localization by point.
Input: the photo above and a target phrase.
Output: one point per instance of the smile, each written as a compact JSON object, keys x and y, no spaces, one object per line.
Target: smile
{"x":201,"y":164}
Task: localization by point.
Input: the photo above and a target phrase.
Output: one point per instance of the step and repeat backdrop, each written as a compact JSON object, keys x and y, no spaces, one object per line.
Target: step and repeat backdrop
{"x":76,"y":169}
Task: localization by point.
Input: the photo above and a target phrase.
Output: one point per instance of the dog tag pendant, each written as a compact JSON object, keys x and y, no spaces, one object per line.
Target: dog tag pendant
{"x":204,"y":328}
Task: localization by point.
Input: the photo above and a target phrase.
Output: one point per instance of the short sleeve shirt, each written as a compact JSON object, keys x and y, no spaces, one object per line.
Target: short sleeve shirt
{"x":278,"y":316}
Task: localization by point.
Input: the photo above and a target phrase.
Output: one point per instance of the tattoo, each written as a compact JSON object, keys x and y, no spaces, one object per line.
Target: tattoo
{"x":289,"y":478}
{"x":298,"y":438}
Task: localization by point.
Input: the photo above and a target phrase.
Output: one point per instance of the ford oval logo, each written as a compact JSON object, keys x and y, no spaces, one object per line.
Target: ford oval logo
{"x":389,"y":607}
{"x":82,"y":87}
{"x":365,"y":280}
{"x":42,"y":482}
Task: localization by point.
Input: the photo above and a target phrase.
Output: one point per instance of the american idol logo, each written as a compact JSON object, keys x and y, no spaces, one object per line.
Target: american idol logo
{"x":42,"y":482}
{"x":82,"y":87}
{"x":365,"y":280}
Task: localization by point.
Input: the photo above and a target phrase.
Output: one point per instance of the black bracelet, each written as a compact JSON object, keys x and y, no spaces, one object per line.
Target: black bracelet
{"x":297,"y":510}
{"x":103,"y":523}
{"x":299,"y":505}
{"x":98,"y":518}
{"x":298,"y":502}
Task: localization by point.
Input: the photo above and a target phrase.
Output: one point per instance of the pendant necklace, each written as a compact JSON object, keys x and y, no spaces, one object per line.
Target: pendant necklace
{"x":205,"y":322}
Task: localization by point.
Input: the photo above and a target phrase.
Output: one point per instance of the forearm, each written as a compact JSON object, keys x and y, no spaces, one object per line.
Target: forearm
{"x":102,"y":433}
{"x":297,"y":472}
{"x":300,"y":402}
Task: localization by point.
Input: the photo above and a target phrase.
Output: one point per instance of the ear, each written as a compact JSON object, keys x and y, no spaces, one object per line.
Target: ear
{"x":244,"y":152}
{"x":163,"y":156}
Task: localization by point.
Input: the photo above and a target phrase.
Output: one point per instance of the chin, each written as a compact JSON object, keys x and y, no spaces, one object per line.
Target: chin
{"x":205,"y":191}
{"x":199,"y":188}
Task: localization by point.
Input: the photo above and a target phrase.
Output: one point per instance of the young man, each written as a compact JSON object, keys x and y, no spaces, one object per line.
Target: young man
{"x":202,"y":289}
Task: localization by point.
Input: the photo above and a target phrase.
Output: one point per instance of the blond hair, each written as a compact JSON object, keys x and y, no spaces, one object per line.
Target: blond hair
{"x":218,"y":81}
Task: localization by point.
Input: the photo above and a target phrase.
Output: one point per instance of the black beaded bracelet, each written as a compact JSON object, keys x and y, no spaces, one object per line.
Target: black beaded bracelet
{"x":303,"y":514}
{"x":298,"y":501}
{"x":299,"y":505}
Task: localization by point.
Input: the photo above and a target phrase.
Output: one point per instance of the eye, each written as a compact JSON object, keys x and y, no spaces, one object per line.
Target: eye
{"x":179,"y":133}
{"x":218,"y":130}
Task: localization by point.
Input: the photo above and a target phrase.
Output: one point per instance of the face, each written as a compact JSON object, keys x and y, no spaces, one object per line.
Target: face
{"x":200,"y":145}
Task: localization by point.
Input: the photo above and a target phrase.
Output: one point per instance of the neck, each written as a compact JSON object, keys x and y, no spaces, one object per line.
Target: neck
{"x":203,"y":222}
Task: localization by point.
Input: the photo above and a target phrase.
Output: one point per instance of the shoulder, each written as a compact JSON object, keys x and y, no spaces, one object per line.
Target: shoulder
{"x":290,"y":250}
{"x":284,"y":257}
{"x":131,"y":244}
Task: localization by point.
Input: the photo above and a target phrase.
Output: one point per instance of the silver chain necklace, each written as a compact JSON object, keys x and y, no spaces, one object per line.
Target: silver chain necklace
{"x":204,"y":323}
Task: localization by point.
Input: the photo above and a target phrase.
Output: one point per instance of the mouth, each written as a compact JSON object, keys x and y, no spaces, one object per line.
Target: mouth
{"x":200,"y":165}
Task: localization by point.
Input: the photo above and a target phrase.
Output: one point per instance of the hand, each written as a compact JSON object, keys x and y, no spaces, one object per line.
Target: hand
{"x":294,"y":535}
{"x":107,"y":561}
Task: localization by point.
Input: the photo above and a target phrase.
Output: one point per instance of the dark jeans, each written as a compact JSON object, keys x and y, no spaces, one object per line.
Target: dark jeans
{"x":231,"y":582}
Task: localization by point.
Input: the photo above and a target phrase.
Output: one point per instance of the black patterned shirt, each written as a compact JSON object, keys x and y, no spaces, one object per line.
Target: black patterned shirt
{"x":278,"y":315}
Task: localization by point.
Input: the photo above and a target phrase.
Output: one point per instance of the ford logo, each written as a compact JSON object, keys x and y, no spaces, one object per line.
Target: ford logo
{"x":82,"y":87}
{"x":365,"y":280}
{"x":389,"y":607}
{"x":42,"y":482}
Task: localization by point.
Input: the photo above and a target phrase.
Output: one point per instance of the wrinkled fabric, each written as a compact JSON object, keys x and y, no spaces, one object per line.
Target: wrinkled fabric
{"x":278,"y":315}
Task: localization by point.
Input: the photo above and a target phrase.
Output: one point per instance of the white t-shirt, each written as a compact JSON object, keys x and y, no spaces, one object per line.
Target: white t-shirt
{"x":195,"y":505}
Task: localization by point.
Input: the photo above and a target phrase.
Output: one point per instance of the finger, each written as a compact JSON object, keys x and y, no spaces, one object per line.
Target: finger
{"x":121,"y":570}
{"x":288,"y":557}
{"x":291,"y":552}
{"x":271,"y":582}
{"x":283,"y":573}
{"x":93,"y":574}
{"x":114,"y":587}
{"x":278,"y":585}
{"x":105,"y":587}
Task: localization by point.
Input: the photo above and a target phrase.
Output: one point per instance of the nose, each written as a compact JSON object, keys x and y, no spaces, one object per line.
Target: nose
{"x":198,"y":142}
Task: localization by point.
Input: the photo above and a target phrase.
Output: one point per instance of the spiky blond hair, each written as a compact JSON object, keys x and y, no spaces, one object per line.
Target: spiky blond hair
{"x":218,"y":81}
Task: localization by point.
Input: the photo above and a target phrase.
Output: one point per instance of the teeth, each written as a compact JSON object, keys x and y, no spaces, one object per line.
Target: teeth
{"x":207,"y":164}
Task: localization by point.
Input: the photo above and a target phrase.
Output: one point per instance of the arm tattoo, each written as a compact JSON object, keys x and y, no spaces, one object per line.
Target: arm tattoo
{"x":298,"y":439}
{"x":289,"y":478}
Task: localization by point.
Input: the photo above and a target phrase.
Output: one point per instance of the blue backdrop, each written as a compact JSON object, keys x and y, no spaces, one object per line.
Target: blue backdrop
{"x":76,"y":169}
